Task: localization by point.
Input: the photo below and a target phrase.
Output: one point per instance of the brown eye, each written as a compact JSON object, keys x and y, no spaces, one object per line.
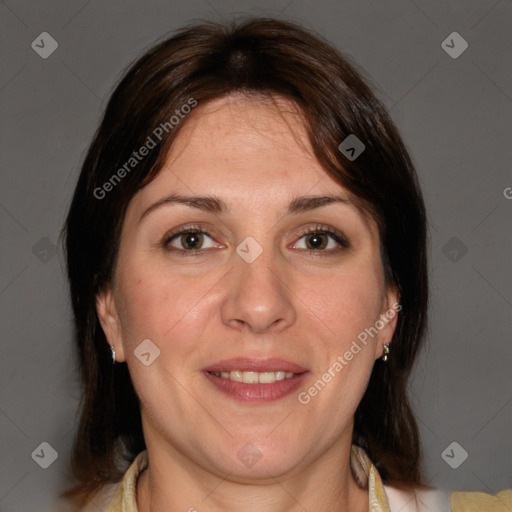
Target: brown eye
{"x":322,"y":240}
{"x":317,"y":241}
{"x":191,"y":240}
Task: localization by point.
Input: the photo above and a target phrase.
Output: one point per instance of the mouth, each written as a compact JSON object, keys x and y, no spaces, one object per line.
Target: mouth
{"x":254,"y":377}
{"x":256,"y":381}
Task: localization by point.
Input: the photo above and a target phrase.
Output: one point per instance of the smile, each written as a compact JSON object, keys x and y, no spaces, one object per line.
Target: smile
{"x":249,"y":377}
{"x":255,"y":380}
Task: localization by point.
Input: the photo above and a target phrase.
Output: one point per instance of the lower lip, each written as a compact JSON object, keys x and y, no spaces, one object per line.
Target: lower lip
{"x":257,"y":393}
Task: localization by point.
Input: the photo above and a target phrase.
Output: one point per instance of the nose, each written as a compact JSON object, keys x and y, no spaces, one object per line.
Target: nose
{"x":257,"y":298}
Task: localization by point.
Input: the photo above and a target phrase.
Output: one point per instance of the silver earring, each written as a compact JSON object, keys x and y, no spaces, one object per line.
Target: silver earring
{"x":386,"y":352}
{"x":113,"y":354}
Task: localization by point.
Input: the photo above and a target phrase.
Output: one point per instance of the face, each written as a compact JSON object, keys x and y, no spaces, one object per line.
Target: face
{"x":259,"y":283}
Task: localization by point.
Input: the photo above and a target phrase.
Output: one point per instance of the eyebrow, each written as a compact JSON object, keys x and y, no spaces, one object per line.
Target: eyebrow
{"x":214,"y":204}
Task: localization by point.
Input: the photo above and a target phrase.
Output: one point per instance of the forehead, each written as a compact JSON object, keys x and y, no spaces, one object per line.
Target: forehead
{"x":252,"y":155}
{"x":237,"y":145}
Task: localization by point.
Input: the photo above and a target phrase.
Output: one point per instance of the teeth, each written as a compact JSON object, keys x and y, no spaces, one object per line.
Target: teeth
{"x":267,"y":377}
{"x":236,"y":376}
{"x":254,"y":377}
{"x":250,"y":377}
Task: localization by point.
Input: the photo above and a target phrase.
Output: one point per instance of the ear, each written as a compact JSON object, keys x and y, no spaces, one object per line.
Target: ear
{"x":389,"y":317}
{"x":109,"y":320}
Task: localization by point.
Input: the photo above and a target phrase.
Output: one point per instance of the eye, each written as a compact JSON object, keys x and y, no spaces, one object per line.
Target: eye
{"x":322,"y":239}
{"x":194,"y":240}
{"x":189,"y":240}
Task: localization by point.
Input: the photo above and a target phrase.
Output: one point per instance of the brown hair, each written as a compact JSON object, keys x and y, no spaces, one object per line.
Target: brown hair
{"x":203,"y":62}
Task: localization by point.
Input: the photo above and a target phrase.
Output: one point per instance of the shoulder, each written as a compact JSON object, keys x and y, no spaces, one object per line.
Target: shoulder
{"x":481,"y":501}
{"x":417,"y":500}
{"x":111,"y":497}
{"x":435,"y":500}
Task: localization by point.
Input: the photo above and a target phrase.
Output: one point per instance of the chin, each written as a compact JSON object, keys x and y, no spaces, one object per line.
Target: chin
{"x":260,"y":459}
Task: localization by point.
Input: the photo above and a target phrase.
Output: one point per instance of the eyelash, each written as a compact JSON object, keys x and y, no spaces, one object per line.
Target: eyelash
{"x":338,"y":237}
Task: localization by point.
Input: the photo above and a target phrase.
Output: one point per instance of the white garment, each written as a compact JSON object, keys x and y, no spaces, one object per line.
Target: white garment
{"x":435,"y":500}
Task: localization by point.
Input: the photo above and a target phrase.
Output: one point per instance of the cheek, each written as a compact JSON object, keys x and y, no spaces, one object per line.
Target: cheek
{"x":344,"y":306}
{"x":161,"y":306}
{"x":342,"y":309}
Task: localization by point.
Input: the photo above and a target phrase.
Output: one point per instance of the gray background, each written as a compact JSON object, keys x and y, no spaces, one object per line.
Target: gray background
{"x":454,"y":114}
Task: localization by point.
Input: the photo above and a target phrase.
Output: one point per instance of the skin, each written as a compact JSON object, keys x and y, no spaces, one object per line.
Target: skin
{"x":301,"y":306}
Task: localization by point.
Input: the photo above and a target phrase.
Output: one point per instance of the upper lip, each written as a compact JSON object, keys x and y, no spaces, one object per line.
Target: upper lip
{"x":247,"y":364}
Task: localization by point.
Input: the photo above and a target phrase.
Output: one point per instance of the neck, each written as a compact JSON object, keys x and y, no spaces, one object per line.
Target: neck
{"x":170,"y":484}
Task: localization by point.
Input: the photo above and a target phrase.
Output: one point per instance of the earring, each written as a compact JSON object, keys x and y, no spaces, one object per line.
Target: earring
{"x":113,"y":354}
{"x":386,"y":352}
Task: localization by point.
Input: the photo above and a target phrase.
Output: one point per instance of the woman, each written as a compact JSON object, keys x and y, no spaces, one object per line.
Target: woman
{"x":246,"y":252}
